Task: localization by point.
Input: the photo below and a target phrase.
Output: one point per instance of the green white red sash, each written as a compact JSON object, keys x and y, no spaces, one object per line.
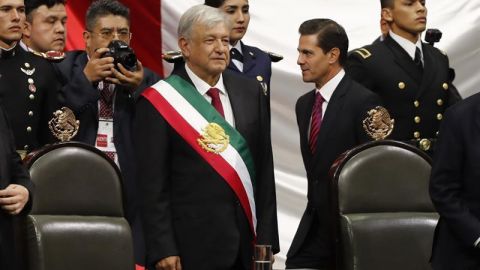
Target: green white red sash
{"x":191,"y":115}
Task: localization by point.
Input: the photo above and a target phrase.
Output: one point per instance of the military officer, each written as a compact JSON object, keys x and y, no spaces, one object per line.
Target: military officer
{"x":411,"y":77}
{"x":28,"y":85}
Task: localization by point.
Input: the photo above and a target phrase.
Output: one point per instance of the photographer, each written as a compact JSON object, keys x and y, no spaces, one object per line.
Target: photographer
{"x":102,"y":94}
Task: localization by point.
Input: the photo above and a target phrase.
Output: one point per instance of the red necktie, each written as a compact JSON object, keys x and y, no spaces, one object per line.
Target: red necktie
{"x":106,"y":101}
{"x":216,"y":102}
{"x":316,"y":121}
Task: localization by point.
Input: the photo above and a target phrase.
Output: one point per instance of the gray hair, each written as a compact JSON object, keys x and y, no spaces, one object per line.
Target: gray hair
{"x":201,"y":14}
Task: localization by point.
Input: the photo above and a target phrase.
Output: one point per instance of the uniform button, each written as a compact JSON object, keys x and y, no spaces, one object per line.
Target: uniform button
{"x":29,"y":129}
{"x":439,"y":102}
{"x":259,"y":78}
{"x":416,"y":134}
{"x":30,"y":81}
{"x":32,"y":96}
{"x":416,"y":103}
{"x":437,"y":133}
{"x":417,"y":119}
{"x":30,"y":113}
{"x":26,"y":147}
{"x":401,"y":85}
{"x":445,"y":86}
{"x":439,"y":116}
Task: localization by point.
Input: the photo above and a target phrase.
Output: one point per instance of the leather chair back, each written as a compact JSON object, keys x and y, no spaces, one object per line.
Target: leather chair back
{"x":77,"y":217}
{"x":384,"y":216}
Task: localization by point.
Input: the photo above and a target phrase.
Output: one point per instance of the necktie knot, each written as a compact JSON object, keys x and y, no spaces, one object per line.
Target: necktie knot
{"x":235,"y":54}
{"x":214,"y":94}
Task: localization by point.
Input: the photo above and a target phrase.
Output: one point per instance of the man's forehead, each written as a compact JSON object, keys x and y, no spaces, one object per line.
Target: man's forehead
{"x":57,"y":9}
{"x":13,"y":3}
{"x":111,"y":21}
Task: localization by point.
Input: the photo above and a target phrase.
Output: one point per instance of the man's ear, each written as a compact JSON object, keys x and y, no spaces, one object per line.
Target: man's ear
{"x":27,"y":29}
{"x":183,"y":44}
{"x":334,"y":55}
{"x":387,"y":15}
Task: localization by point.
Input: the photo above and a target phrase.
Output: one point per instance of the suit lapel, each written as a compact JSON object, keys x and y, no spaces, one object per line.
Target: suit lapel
{"x":334,"y":108}
{"x":248,"y":58}
{"x":403,"y":59}
{"x":304,"y":124}
{"x":428,"y":68}
{"x":237,"y":101}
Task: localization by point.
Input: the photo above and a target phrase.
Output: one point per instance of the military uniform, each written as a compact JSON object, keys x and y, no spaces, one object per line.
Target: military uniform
{"x":28,"y":93}
{"x":415,"y":98}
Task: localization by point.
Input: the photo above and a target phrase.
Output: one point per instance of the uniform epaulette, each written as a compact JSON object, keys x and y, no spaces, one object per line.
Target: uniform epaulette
{"x":364,"y":53}
{"x":172,"y":56}
{"x":443,"y":52}
{"x":53,"y":56}
{"x":275,"y":57}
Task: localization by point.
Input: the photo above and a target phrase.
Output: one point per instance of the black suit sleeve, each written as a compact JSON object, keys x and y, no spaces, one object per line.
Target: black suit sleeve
{"x":18,"y":173}
{"x":447,"y":179}
{"x":152,"y":152}
{"x":265,"y":195}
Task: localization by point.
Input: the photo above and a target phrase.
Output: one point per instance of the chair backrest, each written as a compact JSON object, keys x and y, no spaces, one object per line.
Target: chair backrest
{"x":384,"y":216}
{"x":77,"y":217}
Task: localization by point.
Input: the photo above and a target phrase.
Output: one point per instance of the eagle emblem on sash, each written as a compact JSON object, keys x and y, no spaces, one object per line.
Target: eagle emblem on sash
{"x":213,"y":139}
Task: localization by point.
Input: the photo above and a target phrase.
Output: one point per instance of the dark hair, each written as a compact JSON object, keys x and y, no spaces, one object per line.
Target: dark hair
{"x":31,"y":5}
{"x":214,"y":3}
{"x":387,"y":3}
{"x":329,"y":35}
{"x":101,"y":8}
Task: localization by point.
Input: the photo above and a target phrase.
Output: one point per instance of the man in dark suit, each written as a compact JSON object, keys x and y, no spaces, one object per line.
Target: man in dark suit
{"x":411,"y":77}
{"x":28,"y":86}
{"x":15,"y":193}
{"x":102,"y":97}
{"x":330,"y":121}
{"x":455,"y":188}
{"x":205,"y":158}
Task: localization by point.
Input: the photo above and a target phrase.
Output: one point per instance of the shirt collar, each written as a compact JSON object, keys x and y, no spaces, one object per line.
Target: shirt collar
{"x":201,"y":86}
{"x":237,"y":46}
{"x":407,"y":45}
{"x":6,"y":53}
{"x":328,"y":88}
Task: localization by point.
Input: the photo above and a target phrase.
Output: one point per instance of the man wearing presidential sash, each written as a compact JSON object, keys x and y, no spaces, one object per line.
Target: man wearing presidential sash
{"x":205,"y":157}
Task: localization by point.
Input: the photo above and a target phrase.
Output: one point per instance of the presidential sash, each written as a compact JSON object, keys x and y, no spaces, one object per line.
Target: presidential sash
{"x":209,"y":134}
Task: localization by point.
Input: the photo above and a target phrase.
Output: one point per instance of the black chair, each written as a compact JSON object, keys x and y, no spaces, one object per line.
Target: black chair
{"x":383,"y":213}
{"x":77,"y":221}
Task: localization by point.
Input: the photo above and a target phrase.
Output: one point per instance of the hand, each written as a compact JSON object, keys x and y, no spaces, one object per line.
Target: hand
{"x":129,"y":79}
{"x":169,"y":263}
{"x":13,"y":198}
{"x":98,"y":68}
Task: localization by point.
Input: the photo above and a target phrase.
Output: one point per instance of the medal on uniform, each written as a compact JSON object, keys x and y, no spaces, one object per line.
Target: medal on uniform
{"x":27,"y":71}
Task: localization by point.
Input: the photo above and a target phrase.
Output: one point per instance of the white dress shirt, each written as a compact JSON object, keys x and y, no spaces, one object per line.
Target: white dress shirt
{"x":202,"y":87}
{"x":407,"y":45}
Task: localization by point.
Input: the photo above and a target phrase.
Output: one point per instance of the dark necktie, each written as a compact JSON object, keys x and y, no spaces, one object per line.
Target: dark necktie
{"x":316,"y":121}
{"x":418,"y":58}
{"x":216,"y":102}
{"x":235,"y":54}
{"x":106,"y":101}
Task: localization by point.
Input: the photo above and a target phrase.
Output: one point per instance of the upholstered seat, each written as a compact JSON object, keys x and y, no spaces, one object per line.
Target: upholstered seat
{"x":384,"y":216}
{"x":77,"y":217}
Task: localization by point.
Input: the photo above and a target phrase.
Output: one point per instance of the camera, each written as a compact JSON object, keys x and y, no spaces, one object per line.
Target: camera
{"x":123,"y":54}
{"x":432,"y":36}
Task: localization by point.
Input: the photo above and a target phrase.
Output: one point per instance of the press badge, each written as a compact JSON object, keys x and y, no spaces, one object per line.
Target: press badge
{"x":105,"y":135}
